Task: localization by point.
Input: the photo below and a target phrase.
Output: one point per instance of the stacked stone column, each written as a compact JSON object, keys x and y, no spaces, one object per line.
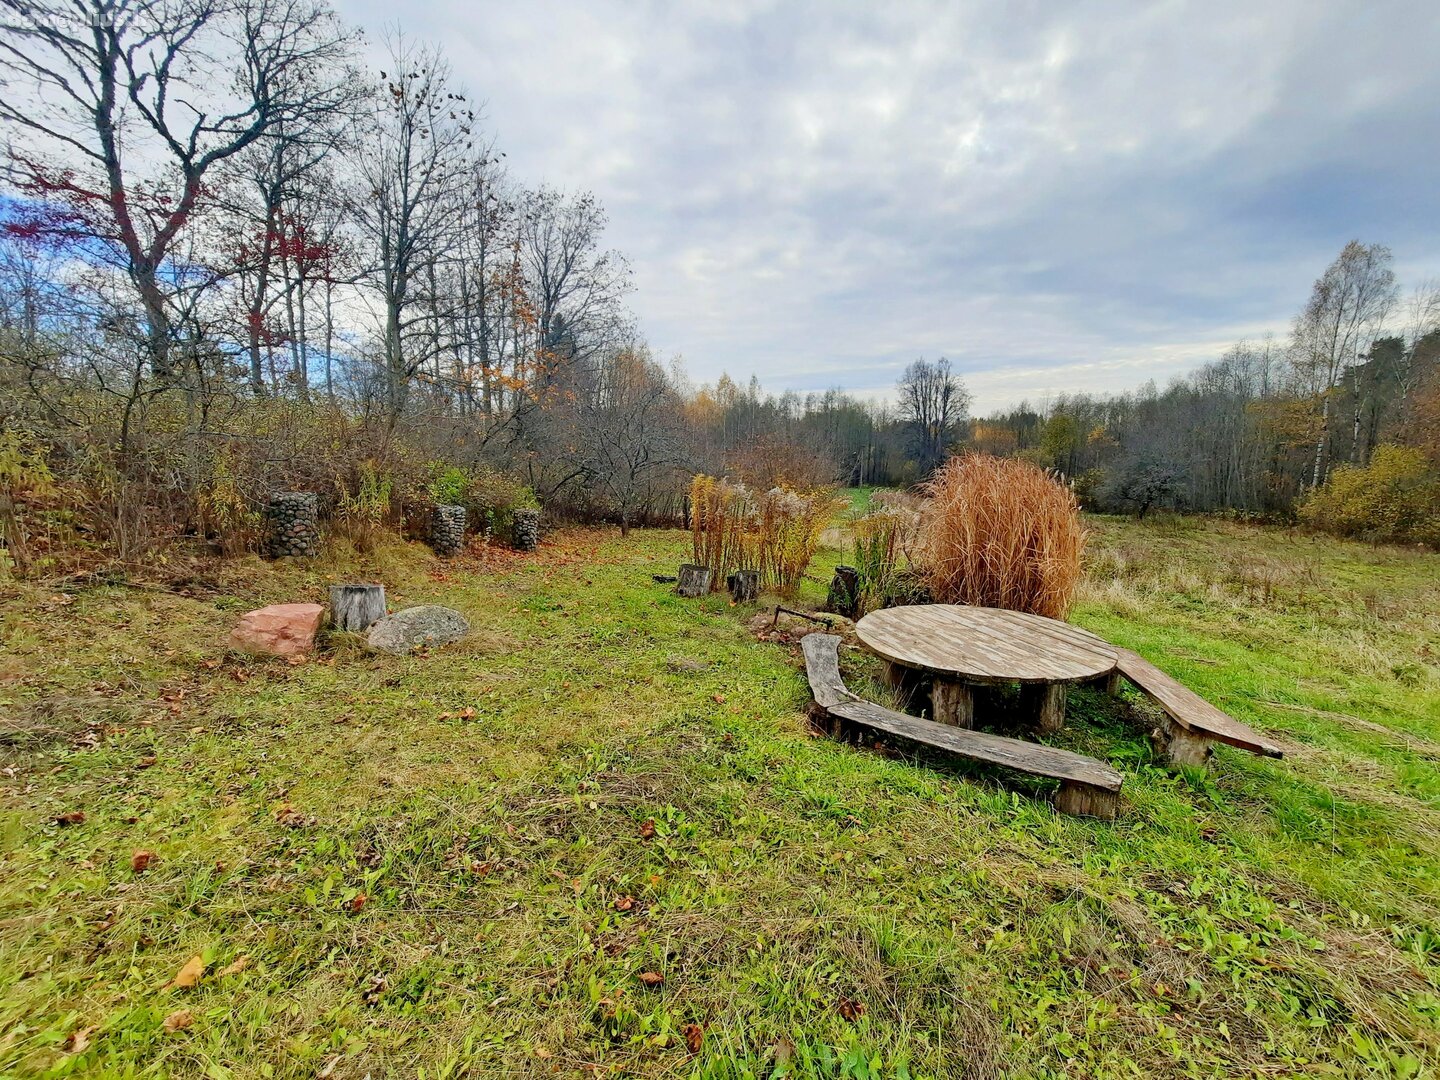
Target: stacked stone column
{"x":526,"y":530}
{"x":447,"y":530}
{"x":293,"y":518}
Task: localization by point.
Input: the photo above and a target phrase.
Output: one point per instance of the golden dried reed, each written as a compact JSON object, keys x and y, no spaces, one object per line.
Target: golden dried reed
{"x":775,"y":533}
{"x":1000,"y":532}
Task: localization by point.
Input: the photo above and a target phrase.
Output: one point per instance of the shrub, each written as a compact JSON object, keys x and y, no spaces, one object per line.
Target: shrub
{"x":1000,"y":532}
{"x":225,"y":514}
{"x":720,"y":516}
{"x":1396,"y":497}
{"x":26,"y":485}
{"x":883,"y":548}
{"x":360,"y":512}
{"x":788,"y":531}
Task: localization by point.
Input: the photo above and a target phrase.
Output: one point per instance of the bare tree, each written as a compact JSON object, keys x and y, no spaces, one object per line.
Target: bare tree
{"x":932,"y":402}
{"x":1346,"y":312}
{"x":628,"y":429}
{"x":412,"y":170}
{"x":130,"y":104}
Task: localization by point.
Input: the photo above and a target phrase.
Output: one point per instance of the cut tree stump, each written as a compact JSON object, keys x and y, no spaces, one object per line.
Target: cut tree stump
{"x":744,"y":586}
{"x":693,"y":580}
{"x":355,"y":607}
{"x":844,"y":595}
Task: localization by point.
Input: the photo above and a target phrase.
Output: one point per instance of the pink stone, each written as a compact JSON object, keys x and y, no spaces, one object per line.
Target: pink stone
{"x":280,"y":630}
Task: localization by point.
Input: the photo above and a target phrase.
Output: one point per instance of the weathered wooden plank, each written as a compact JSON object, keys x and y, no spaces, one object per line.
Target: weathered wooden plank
{"x":985,"y":644}
{"x":822,"y":669}
{"x":1027,"y":757}
{"x":1189,"y":710}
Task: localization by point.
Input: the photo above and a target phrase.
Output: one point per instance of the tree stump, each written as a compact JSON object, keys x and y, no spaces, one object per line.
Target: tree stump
{"x":525,"y":530}
{"x":844,"y":595}
{"x":355,"y":607}
{"x":693,"y":580}
{"x":744,"y":586}
{"x":447,"y":530}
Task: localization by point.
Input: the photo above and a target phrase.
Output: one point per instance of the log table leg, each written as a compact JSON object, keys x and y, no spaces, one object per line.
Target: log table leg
{"x":1046,"y":702}
{"x":908,"y":684}
{"x":953,"y":703}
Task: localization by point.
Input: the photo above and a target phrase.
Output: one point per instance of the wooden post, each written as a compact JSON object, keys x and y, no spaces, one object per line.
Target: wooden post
{"x":909,"y":684}
{"x":1085,"y":800}
{"x":953,"y":703}
{"x":1046,"y":702}
{"x":1113,"y":682}
{"x":355,"y":607}
{"x":693,"y":580}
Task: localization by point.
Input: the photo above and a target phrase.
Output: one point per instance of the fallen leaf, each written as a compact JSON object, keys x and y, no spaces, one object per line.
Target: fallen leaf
{"x":624,"y":903}
{"x":179,"y":1020}
{"x":543,"y":1054}
{"x":141,"y":860}
{"x":647,"y":830}
{"x":296,"y":661}
{"x":694,"y":1036}
{"x":145,"y":762}
{"x":79,"y":1040}
{"x":236,"y":966}
{"x":70,"y":817}
{"x":851,"y":1010}
{"x":358,"y":903}
{"x":190,"y":974}
{"x":651,"y":978}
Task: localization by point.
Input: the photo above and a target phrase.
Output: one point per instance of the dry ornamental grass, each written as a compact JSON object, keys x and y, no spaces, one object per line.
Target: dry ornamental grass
{"x":1000,"y":532}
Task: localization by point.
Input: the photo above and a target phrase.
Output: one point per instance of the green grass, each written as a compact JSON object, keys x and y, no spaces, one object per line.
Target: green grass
{"x":815,"y":909}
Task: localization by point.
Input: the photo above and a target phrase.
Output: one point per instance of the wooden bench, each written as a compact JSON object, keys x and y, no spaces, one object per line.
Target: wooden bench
{"x":1193,"y":723}
{"x":1088,"y":788}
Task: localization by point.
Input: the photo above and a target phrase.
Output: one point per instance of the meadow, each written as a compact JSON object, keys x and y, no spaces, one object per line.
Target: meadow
{"x":599,"y":838}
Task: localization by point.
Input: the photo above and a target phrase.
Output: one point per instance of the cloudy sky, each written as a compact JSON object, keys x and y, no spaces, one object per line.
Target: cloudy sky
{"x":1055,"y":196}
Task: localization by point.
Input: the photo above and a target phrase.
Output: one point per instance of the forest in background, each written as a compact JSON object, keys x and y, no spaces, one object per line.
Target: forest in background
{"x":236,"y":261}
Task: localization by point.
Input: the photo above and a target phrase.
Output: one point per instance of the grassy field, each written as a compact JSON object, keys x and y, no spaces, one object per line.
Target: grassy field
{"x":598,"y":839}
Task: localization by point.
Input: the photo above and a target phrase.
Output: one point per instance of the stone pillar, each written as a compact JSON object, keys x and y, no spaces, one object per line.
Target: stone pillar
{"x":447,"y":530}
{"x":526,"y":530}
{"x":293,"y":519}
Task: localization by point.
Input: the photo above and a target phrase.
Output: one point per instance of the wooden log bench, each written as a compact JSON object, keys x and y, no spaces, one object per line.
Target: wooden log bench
{"x":1192,"y":724}
{"x":1088,"y":788}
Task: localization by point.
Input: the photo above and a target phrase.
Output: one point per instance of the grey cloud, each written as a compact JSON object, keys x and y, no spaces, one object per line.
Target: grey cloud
{"x":1057,"y":197}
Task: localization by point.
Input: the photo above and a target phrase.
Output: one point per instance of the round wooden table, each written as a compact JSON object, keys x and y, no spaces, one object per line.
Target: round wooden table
{"x":956,"y":647}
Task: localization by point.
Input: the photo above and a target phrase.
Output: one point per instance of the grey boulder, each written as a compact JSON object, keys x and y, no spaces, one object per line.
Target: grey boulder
{"x":429,"y":624}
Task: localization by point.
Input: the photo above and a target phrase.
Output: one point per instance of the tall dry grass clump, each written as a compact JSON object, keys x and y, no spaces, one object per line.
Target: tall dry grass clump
{"x":1000,"y":532}
{"x":775,"y":532}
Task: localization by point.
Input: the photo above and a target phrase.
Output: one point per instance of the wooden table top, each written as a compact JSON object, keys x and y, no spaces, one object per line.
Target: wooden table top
{"x":986,"y":644}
